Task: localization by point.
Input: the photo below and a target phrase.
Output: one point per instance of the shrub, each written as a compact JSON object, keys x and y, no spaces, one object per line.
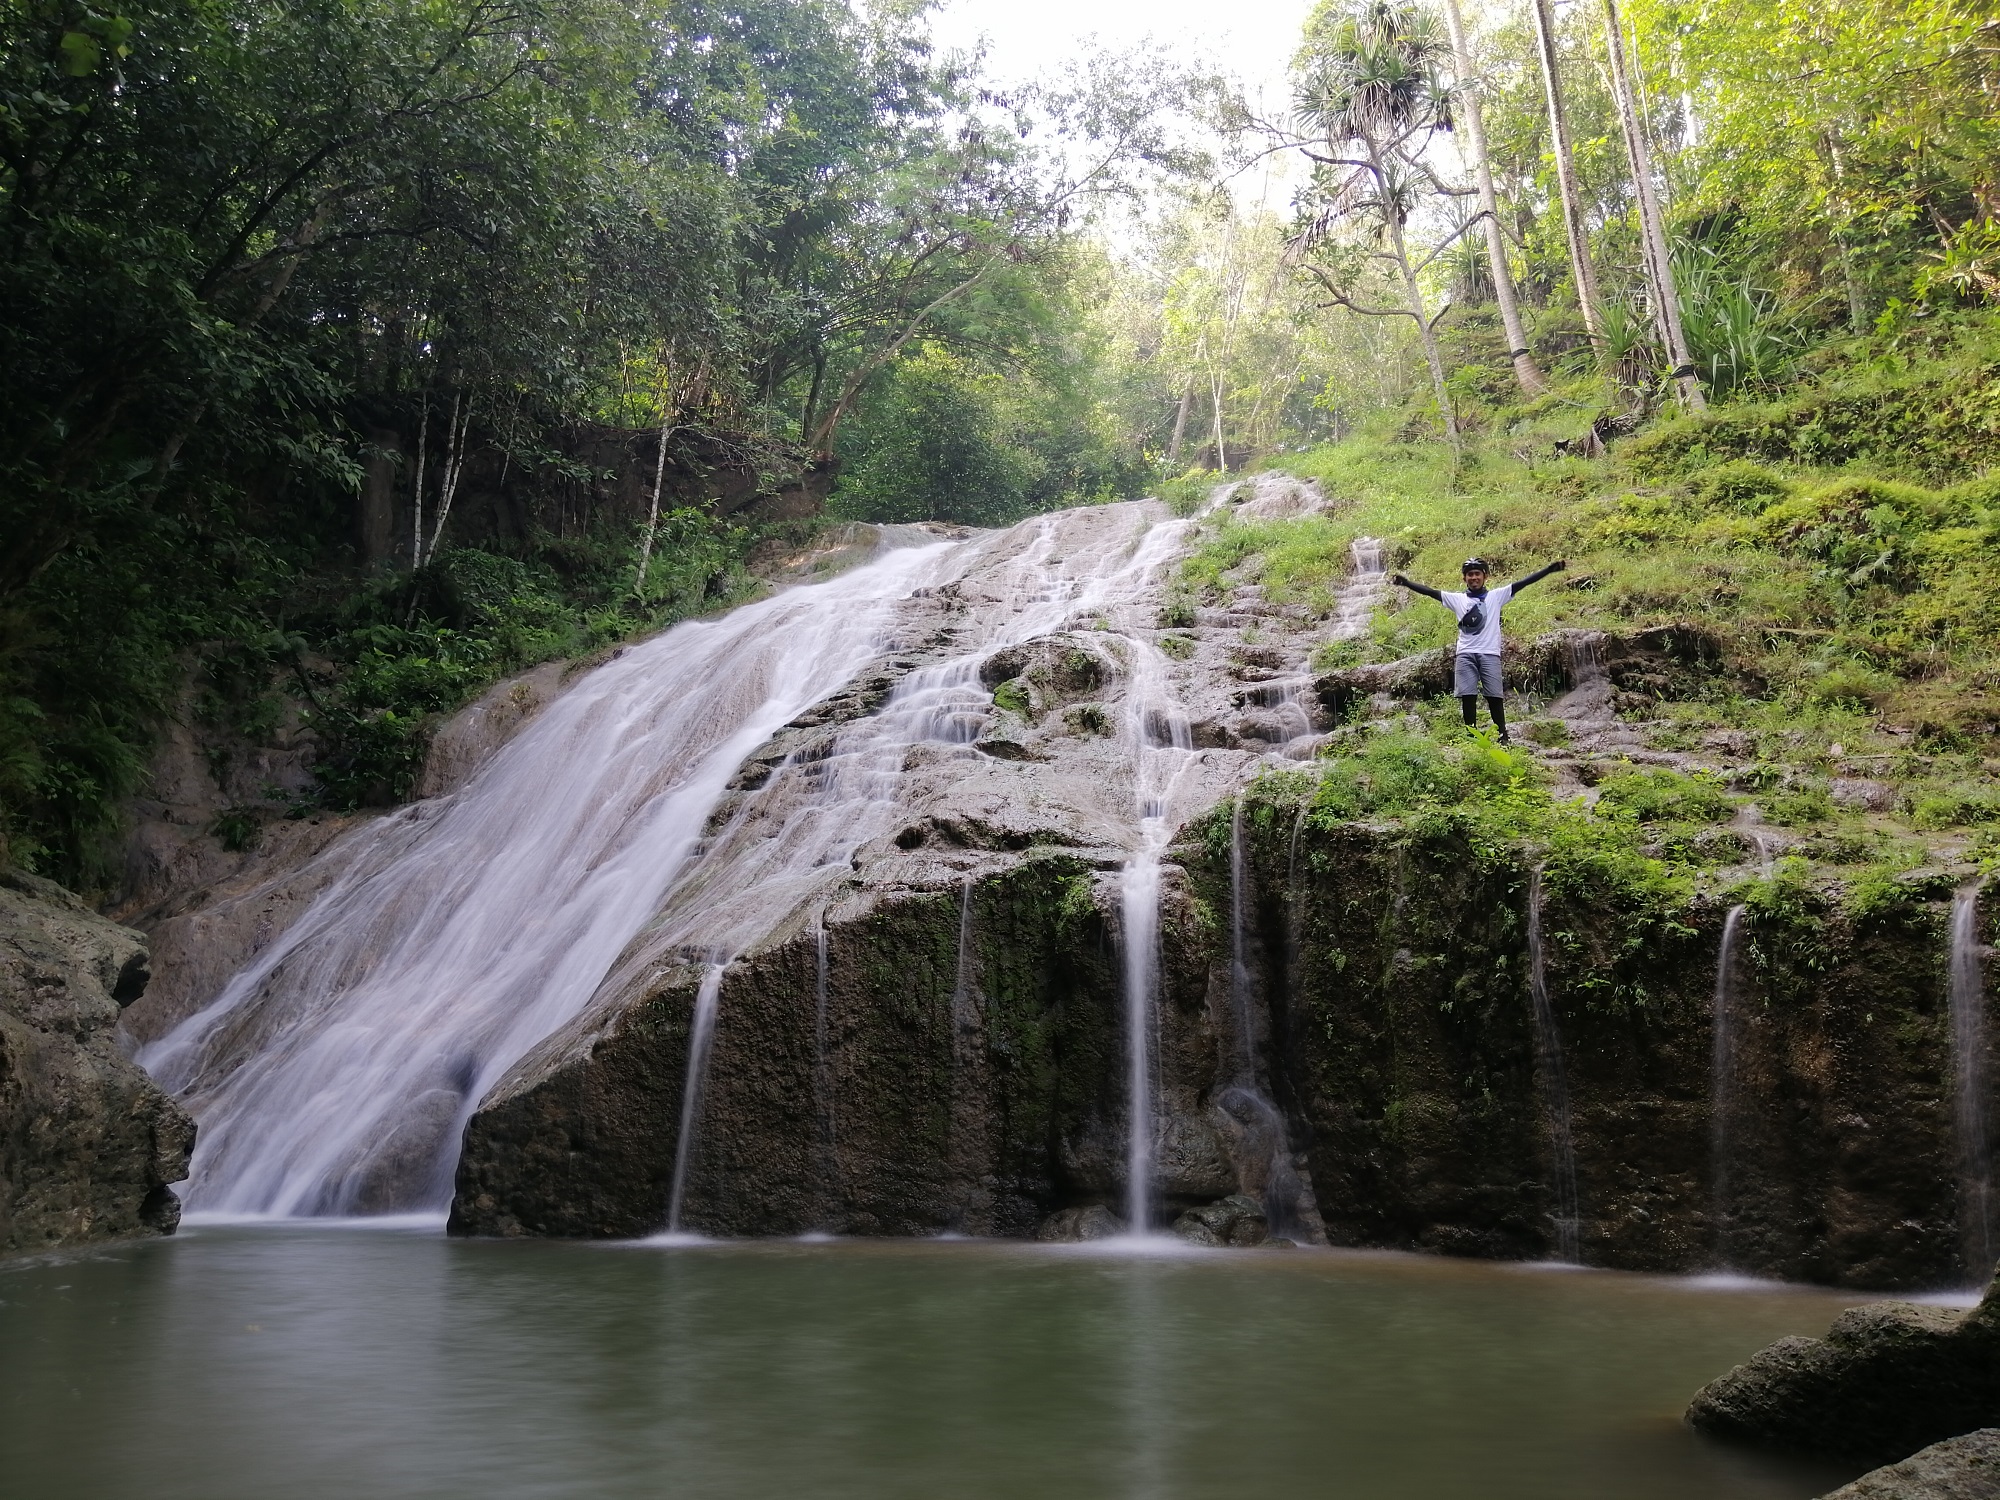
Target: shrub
{"x":1663,"y":796}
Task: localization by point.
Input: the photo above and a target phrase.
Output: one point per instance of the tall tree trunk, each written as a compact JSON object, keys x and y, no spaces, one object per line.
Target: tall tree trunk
{"x":1526,"y":371}
{"x":1652,"y":224}
{"x":1415,"y":293}
{"x":1215,"y":394}
{"x":1572,"y":200}
{"x":1180,"y":423}
{"x":375,"y":515}
{"x":417,"y":490}
{"x":653,"y":517}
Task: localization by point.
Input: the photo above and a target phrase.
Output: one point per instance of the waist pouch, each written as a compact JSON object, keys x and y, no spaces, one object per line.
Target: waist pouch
{"x":1473,"y":620}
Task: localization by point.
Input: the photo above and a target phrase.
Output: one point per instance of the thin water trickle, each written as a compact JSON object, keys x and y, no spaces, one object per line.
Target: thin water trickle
{"x":964,"y":1006}
{"x":822,"y":1066}
{"x":1548,"y":1044}
{"x":1139,"y":921}
{"x":1722,"y":1080}
{"x":1243,"y":1061}
{"x":701,"y":1041}
{"x":1967,"y":997}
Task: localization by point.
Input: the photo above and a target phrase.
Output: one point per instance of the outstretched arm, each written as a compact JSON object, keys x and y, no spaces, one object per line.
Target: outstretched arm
{"x":1416,"y":588}
{"x":1539,"y":574}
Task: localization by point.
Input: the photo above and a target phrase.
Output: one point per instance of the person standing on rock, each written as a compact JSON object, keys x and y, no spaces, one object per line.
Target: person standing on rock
{"x":1477,"y":669}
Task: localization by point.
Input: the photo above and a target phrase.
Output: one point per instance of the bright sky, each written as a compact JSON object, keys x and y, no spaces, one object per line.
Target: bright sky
{"x":1252,"y":39}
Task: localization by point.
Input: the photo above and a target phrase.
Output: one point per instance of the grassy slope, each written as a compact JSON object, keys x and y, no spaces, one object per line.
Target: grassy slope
{"x":1842,"y":537}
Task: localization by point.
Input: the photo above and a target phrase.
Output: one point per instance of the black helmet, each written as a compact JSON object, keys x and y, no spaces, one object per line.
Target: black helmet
{"x":1474,"y":562}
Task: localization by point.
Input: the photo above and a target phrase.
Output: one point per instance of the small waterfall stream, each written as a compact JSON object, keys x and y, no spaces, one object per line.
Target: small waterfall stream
{"x":1722,"y":1081}
{"x":1966,"y":993}
{"x":1548,"y":1044}
{"x":701,"y":1042}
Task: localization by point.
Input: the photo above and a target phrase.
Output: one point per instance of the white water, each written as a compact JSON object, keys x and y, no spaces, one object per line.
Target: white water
{"x":701,"y":1042}
{"x":1722,"y":1079}
{"x":1569,"y":1240}
{"x":1967,"y":996}
{"x":335,"y":1073}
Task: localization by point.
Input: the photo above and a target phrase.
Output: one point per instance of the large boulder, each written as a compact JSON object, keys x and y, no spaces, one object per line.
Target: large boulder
{"x":88,"y":1145}
{"x":1960,"y":1468}
{"x":1888,"y":1378}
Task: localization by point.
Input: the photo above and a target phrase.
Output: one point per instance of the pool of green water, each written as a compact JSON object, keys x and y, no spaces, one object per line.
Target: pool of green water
{"x":308,"y":1361}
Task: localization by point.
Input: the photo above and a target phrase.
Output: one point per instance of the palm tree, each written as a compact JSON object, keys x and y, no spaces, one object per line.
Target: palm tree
{"x":1370,"y":92}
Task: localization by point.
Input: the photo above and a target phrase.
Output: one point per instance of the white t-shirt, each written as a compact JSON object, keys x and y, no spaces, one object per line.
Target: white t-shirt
{"x":1485,"y":641}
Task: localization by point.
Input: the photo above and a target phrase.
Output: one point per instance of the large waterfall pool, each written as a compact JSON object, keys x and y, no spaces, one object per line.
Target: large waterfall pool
{"x":388,"y":1361}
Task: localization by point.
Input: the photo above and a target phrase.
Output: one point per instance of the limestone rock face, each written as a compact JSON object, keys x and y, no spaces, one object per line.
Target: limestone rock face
{"x":1960,"y":1468}
{"x":1888,"y":1379}
{"x":87,"y":1144}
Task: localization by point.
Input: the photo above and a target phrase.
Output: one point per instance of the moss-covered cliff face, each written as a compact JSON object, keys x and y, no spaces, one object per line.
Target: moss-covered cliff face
{"x":892,"y":1090}
{"x":1395,"y":964}
{"x":1386,"y":992}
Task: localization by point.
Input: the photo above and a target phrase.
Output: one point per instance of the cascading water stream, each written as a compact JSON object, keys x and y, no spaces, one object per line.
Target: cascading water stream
{"x":1722,"y":1079}
{"x":1243,"y":1063}
{"x":1548,"y":1043}
{"x":701,"y":1042}
{"x":822,"y":1061}
{"x":1966,"y":993}
{"x":335,"y":1073}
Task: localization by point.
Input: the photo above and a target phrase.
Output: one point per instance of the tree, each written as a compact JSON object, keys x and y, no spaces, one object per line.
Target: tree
{"x":1575,"y":227}
{"x":1370,"y":83}
{"x":1526,"y":371}
{"x":1652,"y":228}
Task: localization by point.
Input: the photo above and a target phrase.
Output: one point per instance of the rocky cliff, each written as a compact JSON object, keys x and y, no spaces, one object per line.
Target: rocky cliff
{"x":88,"y":1145}
{"x":1413,"y":991}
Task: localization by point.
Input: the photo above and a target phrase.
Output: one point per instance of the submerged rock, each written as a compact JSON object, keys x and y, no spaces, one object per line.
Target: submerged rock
{"x":87,"y":1143}
{"x":1888,"y":1379}
{"x":1960,"y":1468}
{"x":1236,"y":1220}
{"x":1070,"y":1226}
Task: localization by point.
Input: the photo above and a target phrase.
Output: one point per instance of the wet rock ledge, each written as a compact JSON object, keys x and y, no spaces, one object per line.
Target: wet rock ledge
{"x":1888,"y":1379}
{"x":88,"y":1145}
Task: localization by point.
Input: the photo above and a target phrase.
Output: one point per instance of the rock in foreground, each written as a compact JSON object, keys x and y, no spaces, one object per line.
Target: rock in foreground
{"x":87,"y":1144}
{"x":1960,"y":1468}
{"x":1888,"y":1379}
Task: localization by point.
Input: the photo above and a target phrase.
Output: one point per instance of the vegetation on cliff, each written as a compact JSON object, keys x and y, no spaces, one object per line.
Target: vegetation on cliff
{"x":354,"y":357}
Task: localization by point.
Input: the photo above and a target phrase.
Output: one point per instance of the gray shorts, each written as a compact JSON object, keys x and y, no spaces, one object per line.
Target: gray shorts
{"x":1476,"y":674}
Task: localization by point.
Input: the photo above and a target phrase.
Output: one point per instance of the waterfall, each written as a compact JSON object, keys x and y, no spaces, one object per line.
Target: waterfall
{"x":1548,"y":1044}
{"x":1139,"y":920}
{"x":701,"y":1041}
{"x":1160,"y":741}
{"x":603,"y":848}
{"x":964,"y":1010}
{"x":822,"y":1068}
{"x":1722,"y":1077}
{"x":1967,"y":996}
{"x":335,"y":1073}
{"x":1243,"y":1063}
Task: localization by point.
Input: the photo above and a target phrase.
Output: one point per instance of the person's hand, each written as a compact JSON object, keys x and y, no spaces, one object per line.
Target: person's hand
{"x":1398,"y":579}
{"x":1560,"y":564}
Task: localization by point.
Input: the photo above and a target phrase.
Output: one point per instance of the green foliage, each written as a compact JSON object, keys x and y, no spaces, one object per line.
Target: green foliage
{"x":1662,"y":796}
{"x":1012,"y":696}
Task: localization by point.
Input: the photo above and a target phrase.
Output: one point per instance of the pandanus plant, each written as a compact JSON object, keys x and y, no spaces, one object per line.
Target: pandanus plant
{"x":1371,"y":90}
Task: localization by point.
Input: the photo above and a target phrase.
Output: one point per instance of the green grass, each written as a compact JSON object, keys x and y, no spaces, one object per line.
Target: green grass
{"x":1841,"y":538}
